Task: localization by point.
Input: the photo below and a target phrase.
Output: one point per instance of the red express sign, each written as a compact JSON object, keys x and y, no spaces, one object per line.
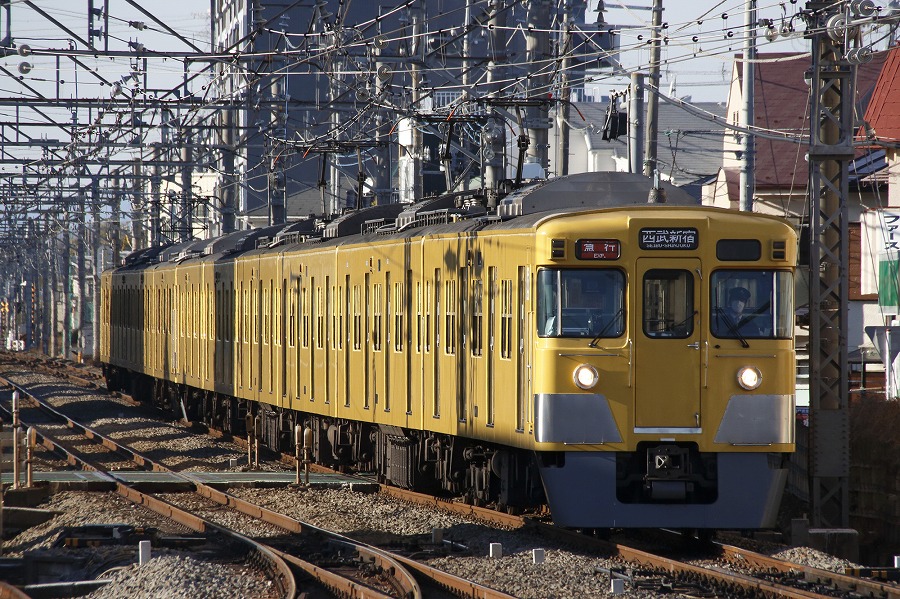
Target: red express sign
{"x":598,"y":249}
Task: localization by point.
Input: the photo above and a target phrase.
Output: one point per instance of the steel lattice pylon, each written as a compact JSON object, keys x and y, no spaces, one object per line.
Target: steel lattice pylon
{"x":830,"y":152}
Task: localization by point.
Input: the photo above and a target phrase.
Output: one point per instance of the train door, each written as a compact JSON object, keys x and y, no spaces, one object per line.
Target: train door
{"x":667,"y":346}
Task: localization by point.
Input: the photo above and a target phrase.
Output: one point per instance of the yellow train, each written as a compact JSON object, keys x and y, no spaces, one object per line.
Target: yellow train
{"x":629,"y":364}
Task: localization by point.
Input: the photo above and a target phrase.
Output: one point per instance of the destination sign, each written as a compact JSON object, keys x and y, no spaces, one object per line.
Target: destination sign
{"x":669,"y":238}
{"x":598,"y":249}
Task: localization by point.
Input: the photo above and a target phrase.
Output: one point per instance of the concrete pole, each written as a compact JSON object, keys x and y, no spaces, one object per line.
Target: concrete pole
{"x":562,"y":106}
{"x":381,"y":174}
{"x":494,"y":168}
{"x":748,"y":165}
{"x":138,"y":227}
{"x":53,"y":266}
{"x":537,"y":36}
{"x":653,"y":98}
{"x":98,"y":268}
{"x":67,"y":289}
{"x":636,"y":123}
{"x":48,"y":323}
{"x":155,"y":190}
{"x":185,"y":212}
{"x":81,"y":272}
{"x":229,"y":185}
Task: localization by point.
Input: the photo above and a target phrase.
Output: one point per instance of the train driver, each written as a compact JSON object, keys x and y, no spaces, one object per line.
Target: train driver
{"x":737,"y":302}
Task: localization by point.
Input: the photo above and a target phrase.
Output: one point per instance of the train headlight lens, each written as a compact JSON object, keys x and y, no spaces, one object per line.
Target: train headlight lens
{"x":586,"y":376}
{"x":749,"y":377}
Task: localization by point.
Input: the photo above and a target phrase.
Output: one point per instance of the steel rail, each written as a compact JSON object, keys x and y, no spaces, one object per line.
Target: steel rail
{"x":277,"y":567}
{"x":862,"y":586}
{"x":338,"y":584}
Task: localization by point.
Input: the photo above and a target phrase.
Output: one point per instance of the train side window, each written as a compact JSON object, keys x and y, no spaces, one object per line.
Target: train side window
{"x":668,"y":303}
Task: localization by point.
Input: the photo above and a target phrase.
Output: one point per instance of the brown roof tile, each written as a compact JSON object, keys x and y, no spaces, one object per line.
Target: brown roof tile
{"x":883,"y":112}
{"x":781,"y":102}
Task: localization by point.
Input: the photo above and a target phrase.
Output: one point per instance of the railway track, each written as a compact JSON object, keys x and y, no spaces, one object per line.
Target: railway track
{"x":760,"y":575}
{"x":346,"y":567}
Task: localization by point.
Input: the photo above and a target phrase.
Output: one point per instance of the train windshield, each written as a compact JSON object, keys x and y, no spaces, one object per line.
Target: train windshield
{"x":581,"y":303}
{"x":752,"y":304}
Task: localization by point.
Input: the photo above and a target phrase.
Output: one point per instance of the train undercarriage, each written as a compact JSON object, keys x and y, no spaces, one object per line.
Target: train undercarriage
{"x":481,"y":473}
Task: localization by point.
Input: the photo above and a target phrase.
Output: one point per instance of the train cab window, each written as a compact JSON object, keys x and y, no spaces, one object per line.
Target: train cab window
{"x":668,"y":303}
{"x":581,"y":303}
{"x":751,"y":304}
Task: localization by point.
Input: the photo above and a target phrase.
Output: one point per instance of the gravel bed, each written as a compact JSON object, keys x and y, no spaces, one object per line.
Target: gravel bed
{"x":169,"y":573}
{"x":81,"y":508}
{"x":223,"y":516}
{"x":182,"y":575}
{"x":566,"y":571}
{"x":175,"y":446}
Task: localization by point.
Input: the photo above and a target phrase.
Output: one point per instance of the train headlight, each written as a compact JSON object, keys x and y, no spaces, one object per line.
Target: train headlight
{"x":586,"y":376}
{"x":749,"y":377}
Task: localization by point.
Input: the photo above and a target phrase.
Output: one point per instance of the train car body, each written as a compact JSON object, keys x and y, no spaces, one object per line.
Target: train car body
{"x":575,"y":345}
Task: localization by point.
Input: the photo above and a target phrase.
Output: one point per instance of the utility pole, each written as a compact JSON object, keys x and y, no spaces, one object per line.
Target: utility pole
{"x":98,"y":268}
{"x":495,"y":133}
{"x":562,"y":106}
{"x":636,"y":123}
{"x":653,"y":98}
{"x":185,"y":207}
{"x":228,"y":189}
{"x":748,"y":168}
{"x":537,"y":121}
{"x":155,"y":190}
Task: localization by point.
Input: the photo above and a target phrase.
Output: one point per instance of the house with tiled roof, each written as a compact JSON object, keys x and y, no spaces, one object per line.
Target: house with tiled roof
{"x":689,"y":145}
{"x":781,"y":113}
{"x":881,"y":129}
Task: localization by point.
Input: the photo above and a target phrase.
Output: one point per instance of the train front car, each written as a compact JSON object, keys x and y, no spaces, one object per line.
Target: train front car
{"x":664,"y":367}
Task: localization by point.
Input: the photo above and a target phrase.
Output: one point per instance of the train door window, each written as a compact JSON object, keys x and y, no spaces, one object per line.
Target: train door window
{"x":376,"y":317}
{"x":521,"y":367}
{"x":246,"y":314}
{"x":282,"y":316}
{"x":329,"y":307}
{"x":436,"y":395}
{"x":420,"y":317}
{"x":751,"y":304}
{"x":506,"y":316}
{"x":477,"y":318}
{"x":279,"y":314}
{"x":229,"y":312}
{"x":198,"y":314}
{"x":292,"y":323}
{"x":319,"y":318}
{"x":220,"y":313}
{"x":209,"y":313}
{"x":491,"y":320}
{"x":266,"y":322}
{"x":398,"y":317}
{"x":426,"y":333}
{"x":341,"y":303}
{"x":450,"y":308}
{"x":357,"y":320}
{"x":304,"y":310}
{"x":668,"y":308}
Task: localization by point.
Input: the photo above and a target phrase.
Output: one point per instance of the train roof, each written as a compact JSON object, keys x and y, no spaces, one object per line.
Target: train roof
{"x":588,"y":191}
{"x":448,"y":213}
